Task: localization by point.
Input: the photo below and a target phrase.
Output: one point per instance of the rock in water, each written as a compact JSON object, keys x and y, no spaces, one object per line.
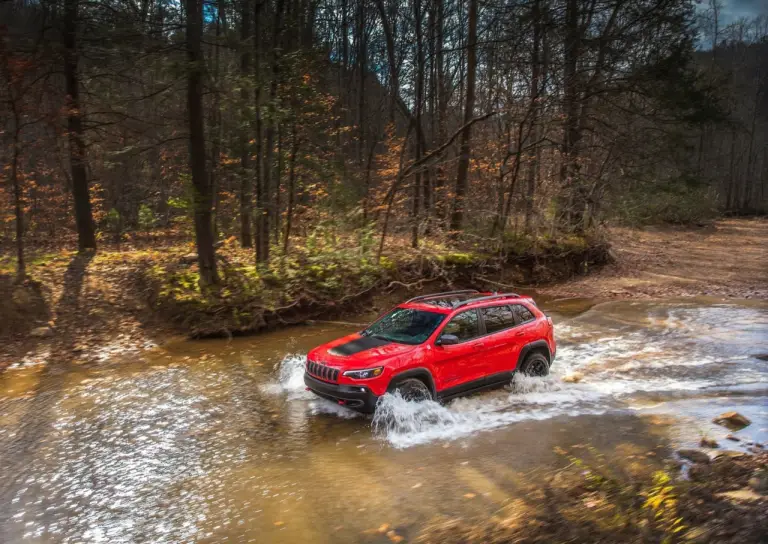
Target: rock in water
{"x":694,"y":455}
{"x":759,"y":481}
{"x":573,"y":377}
{"x":733,"y":420}
{"x":708,"y":443}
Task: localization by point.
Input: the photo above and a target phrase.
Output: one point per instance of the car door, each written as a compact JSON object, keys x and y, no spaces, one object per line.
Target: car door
{"x":524,"y":330}
{"x":501,"y":344}
{"x":455,"y":364}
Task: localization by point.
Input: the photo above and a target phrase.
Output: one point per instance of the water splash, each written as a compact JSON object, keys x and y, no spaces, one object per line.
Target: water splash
{"x":405,"y":423}
{"x":290,"y":378}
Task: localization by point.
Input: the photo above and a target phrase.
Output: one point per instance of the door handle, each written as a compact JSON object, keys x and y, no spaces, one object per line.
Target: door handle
{"x":479,"y":346}
{"x":521,"y":333}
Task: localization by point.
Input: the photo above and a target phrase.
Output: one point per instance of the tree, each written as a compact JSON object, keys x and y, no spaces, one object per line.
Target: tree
{"x":457,"y":217}
{"x":86,"y":229}
{"x":203,"y":197}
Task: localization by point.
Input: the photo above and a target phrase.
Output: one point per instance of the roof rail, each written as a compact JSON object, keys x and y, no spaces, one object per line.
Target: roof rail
{"x":485,"y":299}
{"x":445,"y":294}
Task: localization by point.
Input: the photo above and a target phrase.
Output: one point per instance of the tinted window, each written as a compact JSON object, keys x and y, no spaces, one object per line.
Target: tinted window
{"x":405,"y":325}
{"x":465,"y":326}
{"x":523,"y":314}
{"x":498,"y":318}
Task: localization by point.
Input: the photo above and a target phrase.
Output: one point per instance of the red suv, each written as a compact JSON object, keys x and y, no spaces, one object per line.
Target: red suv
{"x":436,"y":347}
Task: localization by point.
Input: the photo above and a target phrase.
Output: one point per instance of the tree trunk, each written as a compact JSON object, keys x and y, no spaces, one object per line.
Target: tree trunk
{"x":362,"y":68}
{"x":246,"y":185}
{"x":442,"y":107}
{"x":533,"y":167}
{"x":394,"y":83}
{"x":417,"y":179}
{"x":216,"y":121}
{"x":86,"y":232}
{"x":18,"y":201}
{"x":457,"y":217}
{"x":569,"y":167}
{"x":291,"y":188}
{"x":259,"y":166}
{"x":203,"y":201}
{"x":269,"y":136}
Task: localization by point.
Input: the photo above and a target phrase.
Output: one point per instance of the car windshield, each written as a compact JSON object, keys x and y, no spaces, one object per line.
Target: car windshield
{"x":405,"y":325}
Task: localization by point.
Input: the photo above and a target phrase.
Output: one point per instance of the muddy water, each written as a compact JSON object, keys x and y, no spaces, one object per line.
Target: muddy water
{"x":218,"y":441}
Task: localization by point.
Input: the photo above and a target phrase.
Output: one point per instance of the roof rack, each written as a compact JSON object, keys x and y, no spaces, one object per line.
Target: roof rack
{"x":485,"y":299}
{"x":440,"y":295}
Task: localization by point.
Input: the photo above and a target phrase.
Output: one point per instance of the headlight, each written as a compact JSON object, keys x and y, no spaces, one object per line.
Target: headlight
{"x":364,"y":374}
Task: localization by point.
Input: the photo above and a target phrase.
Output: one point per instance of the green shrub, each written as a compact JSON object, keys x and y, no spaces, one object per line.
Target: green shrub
{"x":147,"y":218}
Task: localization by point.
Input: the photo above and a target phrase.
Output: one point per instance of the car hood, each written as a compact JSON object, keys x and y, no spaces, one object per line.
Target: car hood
{"x":356,"y":351}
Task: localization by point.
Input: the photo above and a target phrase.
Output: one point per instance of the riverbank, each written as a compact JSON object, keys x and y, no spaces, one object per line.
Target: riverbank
{"x":86,"y":308}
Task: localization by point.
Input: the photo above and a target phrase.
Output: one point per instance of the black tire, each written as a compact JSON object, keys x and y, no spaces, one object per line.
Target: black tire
{"x":535,"y":364}
{"x":412,"y":389}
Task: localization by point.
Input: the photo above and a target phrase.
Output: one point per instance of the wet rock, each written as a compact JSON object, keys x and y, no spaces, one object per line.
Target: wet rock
{"x":729,"y":454}
{"x":732,"y":420}
{"x":759,"y":481}
{"x":761,"y":356}
{"x":41,"y":332}
{"x":708,"y":443}
{"x":573,"y":377}
{"x":733,"y":437}
{"x":697,"y":456}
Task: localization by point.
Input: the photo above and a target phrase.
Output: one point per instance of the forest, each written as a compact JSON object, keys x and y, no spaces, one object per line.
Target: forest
{"x":284,"y":127}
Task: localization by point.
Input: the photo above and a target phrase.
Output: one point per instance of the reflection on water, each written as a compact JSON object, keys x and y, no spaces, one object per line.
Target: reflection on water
{"x":219,"y":441}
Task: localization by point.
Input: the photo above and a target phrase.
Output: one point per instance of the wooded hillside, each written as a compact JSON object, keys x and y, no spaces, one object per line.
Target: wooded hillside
{"x":271,"y":121}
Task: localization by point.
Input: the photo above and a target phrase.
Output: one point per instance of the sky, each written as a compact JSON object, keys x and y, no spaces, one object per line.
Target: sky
{"x":734,"y":9}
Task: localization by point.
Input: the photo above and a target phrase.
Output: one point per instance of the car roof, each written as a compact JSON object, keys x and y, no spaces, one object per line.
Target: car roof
{"x":446,"y":303}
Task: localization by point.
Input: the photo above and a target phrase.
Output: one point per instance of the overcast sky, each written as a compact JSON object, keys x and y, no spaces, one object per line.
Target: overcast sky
{"x":733,"y":9}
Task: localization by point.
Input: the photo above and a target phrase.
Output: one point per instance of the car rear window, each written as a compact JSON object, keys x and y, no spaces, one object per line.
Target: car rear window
{"x":498,"y":318}
{"x":523,"y":314}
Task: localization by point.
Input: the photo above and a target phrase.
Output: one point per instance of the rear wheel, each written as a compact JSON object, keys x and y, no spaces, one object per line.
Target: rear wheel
{"x":412,"y":389}
{"x":535,"y":364}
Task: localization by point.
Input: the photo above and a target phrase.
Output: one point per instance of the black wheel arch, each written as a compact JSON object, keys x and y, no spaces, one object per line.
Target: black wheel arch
{"x":420,"y":373}
{"x":538,"y":346}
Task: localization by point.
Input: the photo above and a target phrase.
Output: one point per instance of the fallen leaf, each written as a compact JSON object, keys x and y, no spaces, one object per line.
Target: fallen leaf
{"x":279,"y":523}
{"x":383,"y":528}
{"x":416,"y":486}
{"x":469,"y":495}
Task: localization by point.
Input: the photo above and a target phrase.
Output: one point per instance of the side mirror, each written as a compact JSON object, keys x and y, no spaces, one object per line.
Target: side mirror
{"x":447,"y":340}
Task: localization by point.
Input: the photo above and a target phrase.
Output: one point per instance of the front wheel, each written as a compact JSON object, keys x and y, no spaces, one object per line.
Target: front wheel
{"x":412,"y":389}
{"x":535,"y":365}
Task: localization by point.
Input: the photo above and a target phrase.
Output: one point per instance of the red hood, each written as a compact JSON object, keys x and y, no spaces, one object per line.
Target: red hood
{"x":363,"y":359}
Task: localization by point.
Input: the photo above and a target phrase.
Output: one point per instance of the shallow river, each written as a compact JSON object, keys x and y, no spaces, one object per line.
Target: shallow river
{"x":218,"y":440}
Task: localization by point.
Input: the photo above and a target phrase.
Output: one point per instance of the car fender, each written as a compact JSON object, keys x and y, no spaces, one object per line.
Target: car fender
{"x":419,"y":372}
{"x":538,"y":345}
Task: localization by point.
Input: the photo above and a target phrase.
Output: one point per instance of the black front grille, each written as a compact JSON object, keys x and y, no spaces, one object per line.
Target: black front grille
{"x":323,"y":372}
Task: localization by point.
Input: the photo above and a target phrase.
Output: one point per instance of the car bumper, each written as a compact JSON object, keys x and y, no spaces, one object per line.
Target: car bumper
{"x":358,"y":398}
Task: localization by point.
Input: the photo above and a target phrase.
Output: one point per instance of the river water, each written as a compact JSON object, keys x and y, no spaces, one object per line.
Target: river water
{"x":216,"y":441}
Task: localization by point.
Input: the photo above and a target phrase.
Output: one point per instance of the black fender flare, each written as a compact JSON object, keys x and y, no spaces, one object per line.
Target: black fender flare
{"x":421,"y":373}
{"x":538,"y":345}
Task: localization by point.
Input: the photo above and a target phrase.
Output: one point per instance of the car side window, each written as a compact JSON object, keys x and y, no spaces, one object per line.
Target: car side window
{"x":464,"y":326}
{"x":498,"y":318}
{"x":523,"y":314}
